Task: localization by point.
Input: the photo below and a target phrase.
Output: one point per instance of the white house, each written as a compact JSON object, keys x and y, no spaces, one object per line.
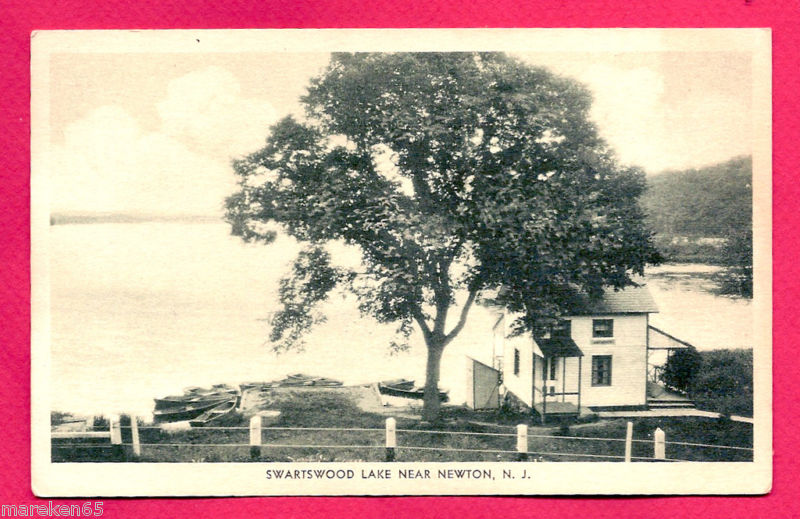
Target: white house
{"x":596,"y":359}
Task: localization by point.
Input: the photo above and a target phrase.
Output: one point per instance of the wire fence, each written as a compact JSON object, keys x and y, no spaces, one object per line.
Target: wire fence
{"x":381,"y":444}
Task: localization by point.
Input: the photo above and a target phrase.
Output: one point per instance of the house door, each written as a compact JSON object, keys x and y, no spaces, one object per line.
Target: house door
{"x":483,"y":386}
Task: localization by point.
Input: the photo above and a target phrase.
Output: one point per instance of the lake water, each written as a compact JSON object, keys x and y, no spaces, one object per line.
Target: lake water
{"x":143,"y":310}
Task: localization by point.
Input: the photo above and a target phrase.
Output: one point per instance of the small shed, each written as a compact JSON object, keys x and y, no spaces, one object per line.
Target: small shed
{"x":483,"y":385}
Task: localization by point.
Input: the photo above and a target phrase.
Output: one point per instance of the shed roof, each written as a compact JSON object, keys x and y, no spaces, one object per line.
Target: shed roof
{"x":559,"y":347}
{"x":629,"y":300}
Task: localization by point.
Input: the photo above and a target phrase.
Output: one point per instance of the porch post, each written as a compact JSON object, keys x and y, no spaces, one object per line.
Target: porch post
{"x":533,"y":384}
{"x":580,"y":359}
{"x":544,"y":395}
{"x":563,"y":379}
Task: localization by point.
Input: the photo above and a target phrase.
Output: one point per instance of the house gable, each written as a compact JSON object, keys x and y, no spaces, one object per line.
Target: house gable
{"x":611,"y":334}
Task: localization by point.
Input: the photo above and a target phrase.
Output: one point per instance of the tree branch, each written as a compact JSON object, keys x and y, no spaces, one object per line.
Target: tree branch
{"x":462,"y":318}
{"x":420,"y":318}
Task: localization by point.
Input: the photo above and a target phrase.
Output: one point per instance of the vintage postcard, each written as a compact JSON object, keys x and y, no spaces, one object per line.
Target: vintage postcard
{"x":401,"y":262}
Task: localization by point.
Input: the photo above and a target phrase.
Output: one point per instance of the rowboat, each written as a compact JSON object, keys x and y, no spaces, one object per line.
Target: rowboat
{"x":173,"y":401}
{"x":326,"y":382}
{"x":194,"y":394}
{"x":300,"y":379}
{"x":405,"y":389}
{"x":187,"y":411}
{"x":215,"y":414}
{"x":400,"y":383}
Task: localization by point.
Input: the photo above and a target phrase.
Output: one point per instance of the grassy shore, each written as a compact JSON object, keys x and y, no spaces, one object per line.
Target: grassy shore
{"x":329,"y":410}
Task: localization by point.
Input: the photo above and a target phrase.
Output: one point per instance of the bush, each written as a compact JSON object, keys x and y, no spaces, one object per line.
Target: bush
{"x":737,"y":279}
{"x":718,"y":380}
{"x":725,"y":383}
{"x":681,"y":368}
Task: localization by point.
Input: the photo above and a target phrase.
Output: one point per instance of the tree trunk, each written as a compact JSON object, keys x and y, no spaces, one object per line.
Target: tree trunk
{"x":431,"y":404}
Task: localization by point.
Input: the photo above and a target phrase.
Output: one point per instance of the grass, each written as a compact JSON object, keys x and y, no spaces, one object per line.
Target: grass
{"x":416,"y":443}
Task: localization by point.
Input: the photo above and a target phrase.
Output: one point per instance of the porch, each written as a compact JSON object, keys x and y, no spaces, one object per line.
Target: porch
{"x":558,"y":411}
{"x":549,"y":401}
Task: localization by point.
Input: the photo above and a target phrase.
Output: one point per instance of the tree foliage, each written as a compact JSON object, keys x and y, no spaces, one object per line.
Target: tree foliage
{"x":737,"y":254}
{"x":705,"y":202}
{"x":681,"y":368}
{"x":717,"y":380}
{"x":450,"y":173}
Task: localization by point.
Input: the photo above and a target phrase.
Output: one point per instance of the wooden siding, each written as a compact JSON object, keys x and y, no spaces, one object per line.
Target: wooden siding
{"x":519,"y":384}
{"x":628,"y":351}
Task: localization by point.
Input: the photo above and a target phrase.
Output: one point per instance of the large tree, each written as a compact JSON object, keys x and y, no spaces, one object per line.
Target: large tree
{"x":451,"y":173}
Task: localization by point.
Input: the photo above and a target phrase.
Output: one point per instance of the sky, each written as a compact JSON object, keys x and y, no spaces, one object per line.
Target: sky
{"x":156,"y":132}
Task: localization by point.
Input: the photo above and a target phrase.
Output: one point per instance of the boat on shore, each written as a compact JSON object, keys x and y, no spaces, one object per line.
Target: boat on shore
{"x":300,"y":379}
{"x":215,"y":415}
{"x":193,"y":397}
{"x":404,"y":388}
{"x":245,"y":386}
{"x":188,"y":411}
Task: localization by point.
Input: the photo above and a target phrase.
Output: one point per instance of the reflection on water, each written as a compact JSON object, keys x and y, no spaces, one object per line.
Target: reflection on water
{"x":142,"y":310}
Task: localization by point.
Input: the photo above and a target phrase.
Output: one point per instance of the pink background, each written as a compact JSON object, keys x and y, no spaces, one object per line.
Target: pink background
{"x":19,"y":17}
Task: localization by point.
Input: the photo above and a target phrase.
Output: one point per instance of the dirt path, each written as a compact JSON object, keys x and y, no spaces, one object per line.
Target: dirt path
{"x":669,"y":413}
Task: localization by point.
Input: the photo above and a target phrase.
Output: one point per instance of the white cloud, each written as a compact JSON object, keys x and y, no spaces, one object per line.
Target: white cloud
{"x":649,"y":125}
{"x":628,"y":110}
{"x":712,"y":129}
{"x":205,"y":109}
{"x":108,"y":163}
{"x":694,"y":129}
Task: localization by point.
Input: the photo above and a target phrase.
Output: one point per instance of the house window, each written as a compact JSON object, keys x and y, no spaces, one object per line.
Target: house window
{"x":602,"y":328}
{"x":562,"y":329}
{"x":601,"y":370}
{"x":516,"y":361}
{"x":553,"y":367}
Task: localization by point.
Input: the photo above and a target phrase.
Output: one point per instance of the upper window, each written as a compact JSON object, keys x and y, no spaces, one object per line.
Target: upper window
{"x":601,"y":370}
{"x":516,"y":361}
{"x":602,"y":328}
{"x":562,"y":329}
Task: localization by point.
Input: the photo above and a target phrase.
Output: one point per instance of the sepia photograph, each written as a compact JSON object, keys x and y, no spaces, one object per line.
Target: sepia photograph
{"x":401,"y":262}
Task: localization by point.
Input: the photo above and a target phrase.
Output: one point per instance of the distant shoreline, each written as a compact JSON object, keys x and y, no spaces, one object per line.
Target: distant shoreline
{"x":93,"y":218}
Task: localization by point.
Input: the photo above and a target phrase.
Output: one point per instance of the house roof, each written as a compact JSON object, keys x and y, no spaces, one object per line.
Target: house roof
{"x":630,"y":300}
{"x":559,"y":347}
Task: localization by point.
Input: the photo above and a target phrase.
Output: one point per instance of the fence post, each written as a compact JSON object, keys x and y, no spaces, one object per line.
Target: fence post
{"x":628,"y":442}
{"x":137,"y":448}
{"x":660,"y":442}
{"x":115,"y":429}
{"x":116,"y":436}
{"x":391,"y":438}
{"x":255,"y":437}
{"x":522,"y":442}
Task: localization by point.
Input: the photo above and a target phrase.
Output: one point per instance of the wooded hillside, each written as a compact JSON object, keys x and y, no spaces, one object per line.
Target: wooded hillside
{"x":704,"y":202}
{"x":695,"y":214}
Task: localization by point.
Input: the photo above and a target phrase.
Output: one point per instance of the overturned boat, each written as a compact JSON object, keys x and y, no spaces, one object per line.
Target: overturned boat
{"x":193,"y":397}
{"x":190,"y":410}
{"x":404,"y":388}
{"x":216,"y":415}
